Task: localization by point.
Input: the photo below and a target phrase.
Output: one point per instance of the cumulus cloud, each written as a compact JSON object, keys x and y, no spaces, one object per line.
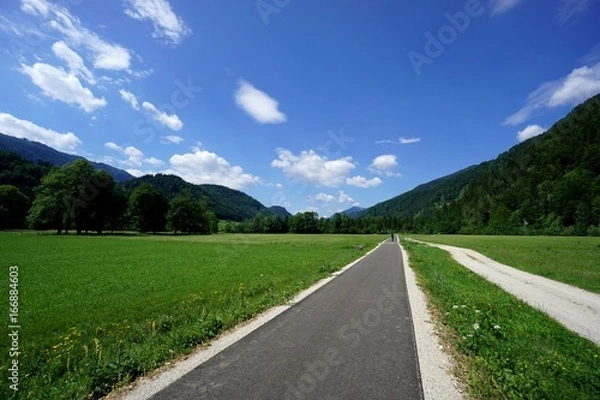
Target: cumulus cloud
{"x":581,"y":84}
{"x":342,"y":198}
{"x":129,"y":98}
{"x":312,"y":168}
{"x":24,"y":129}
{"x":132,"y":157}
{"x":259,"y":105}
{"x":171,"y":121}
{"x":362,"y":182}
{"x":105,"y":55}
{"x":171,"y":139}
{"x":165,"y":22}
{"x":385,"y":162}
{"x":202,"y":166}
{"x":74,"y":62}
{"x":58,"y":84}
{"x":529,"y":132}
{"x":384,"y":165}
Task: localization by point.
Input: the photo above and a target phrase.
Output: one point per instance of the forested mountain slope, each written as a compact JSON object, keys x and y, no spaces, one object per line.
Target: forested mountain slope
{"x":547,"y":184}
{"x":227,"y":204}
{"x":38,"y":152}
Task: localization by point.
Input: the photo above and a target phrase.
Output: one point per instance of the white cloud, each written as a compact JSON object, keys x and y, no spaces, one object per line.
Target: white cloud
{"x":129,"y":98}
{"x":401,"y":140}
{"x":529,"y":132}
{"x":170,"y":121}
{"x":23,"y":129}
{"x":571,"y":8}
{"x":409,"y":140}
{"x":60,"y":85}
{"x":581,"y":84}
{"x":362,"y":182}
{"x":205,"y":167}
{"x":171,"y":139}
{"x":165,"y":22}
{"x":74,"y":61}
{"x":500,"y":6}
{"x":309,"y":167}
{"x":132,"y":157}
{"x":384,"y":165}
{"x":258,"y":104}
{"x":105,"y":55}
{"x":322,"y":198}
{"x":341,"y":198}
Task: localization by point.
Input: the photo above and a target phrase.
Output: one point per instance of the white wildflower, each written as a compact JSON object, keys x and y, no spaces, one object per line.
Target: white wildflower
{"x":496,"y":326}
{"x":477,"y":311}
{"x":476,"y":325}
{"x":455,"y":306}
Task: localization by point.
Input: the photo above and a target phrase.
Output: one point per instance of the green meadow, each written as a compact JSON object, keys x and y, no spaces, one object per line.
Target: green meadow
{"x":98,"y":311}
{"x":503,"y":348}
{"x":572,"y":260}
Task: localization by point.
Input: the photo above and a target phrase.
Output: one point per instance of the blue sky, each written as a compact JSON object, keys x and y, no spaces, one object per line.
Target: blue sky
{"x":314,"y":105}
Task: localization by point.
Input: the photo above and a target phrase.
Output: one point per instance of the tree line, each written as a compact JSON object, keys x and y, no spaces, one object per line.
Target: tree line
{"x":79,"y":198}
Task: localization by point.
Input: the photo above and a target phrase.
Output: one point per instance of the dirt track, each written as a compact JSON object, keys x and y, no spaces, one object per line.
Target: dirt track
{"x":575,"y":308}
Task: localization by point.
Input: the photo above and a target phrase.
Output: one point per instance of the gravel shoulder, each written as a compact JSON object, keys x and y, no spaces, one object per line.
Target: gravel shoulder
{"x":575,"y":308}
{"x":435,"y":365}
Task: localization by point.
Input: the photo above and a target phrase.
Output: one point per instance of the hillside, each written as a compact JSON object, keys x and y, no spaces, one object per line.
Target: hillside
{"x":227,"y":204}
{"x":353,"y":212}
{"x":426,"y":198}
{"x":36,"y":152}
{"x":548,"y":184}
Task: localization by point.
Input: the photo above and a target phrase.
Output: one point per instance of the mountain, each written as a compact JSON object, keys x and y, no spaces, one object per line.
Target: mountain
{"x":278,"y":210}
{"x":426,"y":198}
{"x":353,"y":211}
{"x":34,"y":151}
{"x":548,"y":184}
{"x":227,"y":204}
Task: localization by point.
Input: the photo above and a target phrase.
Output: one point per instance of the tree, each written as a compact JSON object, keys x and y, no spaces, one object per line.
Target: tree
{"x":50,"y":207}
{"x":105,"y":201}
{"x":13,"y":207}
{"x":148,"y":209}
{"x":307,"y":222}
{"x":117,"y":209}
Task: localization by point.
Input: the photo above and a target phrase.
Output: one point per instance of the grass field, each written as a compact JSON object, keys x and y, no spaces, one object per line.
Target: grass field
{"x":504,"y":348}
{"x":96,"y":312}
{"x":572,"y":260}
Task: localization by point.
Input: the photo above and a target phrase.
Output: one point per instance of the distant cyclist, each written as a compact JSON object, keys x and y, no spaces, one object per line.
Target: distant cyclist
{"x":392,"y":237}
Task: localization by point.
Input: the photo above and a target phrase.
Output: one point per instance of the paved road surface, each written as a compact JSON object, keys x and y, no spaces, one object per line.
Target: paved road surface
{"x":351,"y":339}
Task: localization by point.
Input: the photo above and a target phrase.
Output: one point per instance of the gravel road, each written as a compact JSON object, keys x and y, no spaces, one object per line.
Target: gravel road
{"x":575,"y":308}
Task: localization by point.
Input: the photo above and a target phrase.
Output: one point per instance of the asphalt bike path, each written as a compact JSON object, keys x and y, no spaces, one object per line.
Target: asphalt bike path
{"x":351,"y":339}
